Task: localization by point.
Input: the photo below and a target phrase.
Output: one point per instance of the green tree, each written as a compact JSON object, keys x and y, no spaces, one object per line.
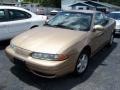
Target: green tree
{"x":115,"y":2}
{"x":52,"y":3}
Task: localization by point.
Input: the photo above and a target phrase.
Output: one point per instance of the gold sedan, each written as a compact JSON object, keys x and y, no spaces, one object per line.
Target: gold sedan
{"x":63,"y":45}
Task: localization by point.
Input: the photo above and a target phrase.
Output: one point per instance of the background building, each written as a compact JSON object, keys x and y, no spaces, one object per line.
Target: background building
{"x":66,"y":3}
{"x":88,"y":4}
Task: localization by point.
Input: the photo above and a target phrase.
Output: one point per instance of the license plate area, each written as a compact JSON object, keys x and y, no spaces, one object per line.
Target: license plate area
{"x":19,"y":63}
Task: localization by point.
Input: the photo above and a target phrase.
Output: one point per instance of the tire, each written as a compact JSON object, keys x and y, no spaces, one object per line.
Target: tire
{"x":82,"y":63}
{"x":33,"y":27}
{"x":111,"y":41}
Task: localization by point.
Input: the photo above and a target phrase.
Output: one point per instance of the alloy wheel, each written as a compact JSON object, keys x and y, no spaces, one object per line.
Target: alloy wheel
{"x":82,"y":63}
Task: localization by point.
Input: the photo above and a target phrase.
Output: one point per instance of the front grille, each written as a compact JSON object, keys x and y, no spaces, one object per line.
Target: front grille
{"x":117,"y":30}
{"x":19,"y":63}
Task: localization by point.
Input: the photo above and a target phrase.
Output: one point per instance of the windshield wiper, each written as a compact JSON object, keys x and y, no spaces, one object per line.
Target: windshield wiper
{"x":59,"y":25}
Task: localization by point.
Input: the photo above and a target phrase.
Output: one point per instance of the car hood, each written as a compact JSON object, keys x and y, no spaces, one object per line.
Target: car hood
{"x":48,"y":39}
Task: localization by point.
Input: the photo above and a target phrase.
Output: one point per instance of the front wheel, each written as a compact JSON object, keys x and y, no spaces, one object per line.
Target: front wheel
{"x":82,"y":63}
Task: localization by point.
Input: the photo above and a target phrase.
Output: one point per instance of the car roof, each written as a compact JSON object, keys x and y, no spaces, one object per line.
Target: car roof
{"x":10,"y":7}
{"x":83,"y":11}
{"x":14,"y":7}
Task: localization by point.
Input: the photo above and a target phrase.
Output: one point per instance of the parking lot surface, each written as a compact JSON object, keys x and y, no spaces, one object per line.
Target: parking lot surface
{"x":103,"y":74}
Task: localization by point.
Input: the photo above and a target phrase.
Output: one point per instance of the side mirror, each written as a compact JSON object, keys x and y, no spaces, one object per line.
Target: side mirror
{"x":98,"y":28}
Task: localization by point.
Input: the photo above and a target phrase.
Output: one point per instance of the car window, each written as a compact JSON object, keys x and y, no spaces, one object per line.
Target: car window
{"x":18,"y":15}
{"x":71,"y":20}
{"x":2,"y":16}
{"x":115,"y":16}
{"x":100,"y":19}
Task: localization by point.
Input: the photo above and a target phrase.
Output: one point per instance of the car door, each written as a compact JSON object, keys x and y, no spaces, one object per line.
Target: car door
{"x":99,"y":37}
{"x":19,"y":21}
{"x":3,"y":25}
{"x":108,"y":27}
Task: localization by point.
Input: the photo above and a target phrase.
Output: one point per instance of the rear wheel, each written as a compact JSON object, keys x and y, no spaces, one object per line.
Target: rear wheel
{"x":82,"y":63}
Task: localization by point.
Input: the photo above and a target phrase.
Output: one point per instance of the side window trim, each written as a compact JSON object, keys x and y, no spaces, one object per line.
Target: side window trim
{"x":97,"y":15}
{"x":23,"y":12}
{"x":102,"y":21}
{"x":6,"y":15}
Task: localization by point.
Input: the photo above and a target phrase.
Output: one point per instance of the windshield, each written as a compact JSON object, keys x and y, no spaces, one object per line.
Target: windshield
{"x":73,"y":21}
{"x":115,"y":16}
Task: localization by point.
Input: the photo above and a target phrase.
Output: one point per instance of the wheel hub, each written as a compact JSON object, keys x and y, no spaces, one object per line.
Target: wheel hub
{"x":82,"y":63}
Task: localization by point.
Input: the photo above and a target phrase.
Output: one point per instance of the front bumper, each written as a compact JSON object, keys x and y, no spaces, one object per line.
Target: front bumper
{"x":117,"y":31}
{"x":44,"y":68}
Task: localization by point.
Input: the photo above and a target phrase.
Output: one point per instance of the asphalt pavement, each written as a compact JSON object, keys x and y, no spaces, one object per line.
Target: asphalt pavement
{"x":103,"y":73}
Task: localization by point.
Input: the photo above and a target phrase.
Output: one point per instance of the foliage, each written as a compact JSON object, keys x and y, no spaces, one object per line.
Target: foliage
{"x":52,"y":3}
{"x":115,"y":2}
{"x":57,"y":3}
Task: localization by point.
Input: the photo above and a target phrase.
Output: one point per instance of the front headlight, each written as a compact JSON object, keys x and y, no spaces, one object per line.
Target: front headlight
{"x":12,"y":46}
{"x":46,"y":56}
